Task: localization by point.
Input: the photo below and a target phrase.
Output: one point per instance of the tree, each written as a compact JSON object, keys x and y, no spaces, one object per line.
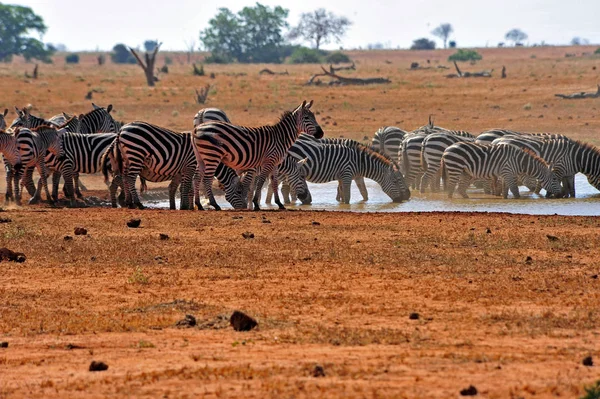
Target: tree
{"x":148,"y":66}
{"x":443,"y":32}
{"x":121,"y":55}
{"x":578,"y":41}
{"x":252,"y":35}
{"x":191,"y":47}
{"x":423,"y":44}
{"x":16,"y":22}
{"x":321,"y":27}
{"x":516,"y":36}
{"x":150,"y":45}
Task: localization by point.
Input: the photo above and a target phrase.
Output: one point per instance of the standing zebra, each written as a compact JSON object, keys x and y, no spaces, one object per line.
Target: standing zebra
{"x":387,"y":140}
{"x":432,"y":149}
{"x":330,"y":162}
{"x":158,"y":154}
{"x":32,"y":145}
{"x":244,"y":148}
{"x":465,"y":161}
{"x":12,"y":160}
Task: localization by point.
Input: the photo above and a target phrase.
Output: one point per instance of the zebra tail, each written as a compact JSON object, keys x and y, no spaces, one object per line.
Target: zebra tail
{"x":106,"y":160}
{"x":444,"y":175}
{"x":423,"y":160}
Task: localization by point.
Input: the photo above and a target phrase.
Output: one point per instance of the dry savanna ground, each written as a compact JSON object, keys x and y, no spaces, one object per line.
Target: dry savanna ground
{"x":506,"y":303}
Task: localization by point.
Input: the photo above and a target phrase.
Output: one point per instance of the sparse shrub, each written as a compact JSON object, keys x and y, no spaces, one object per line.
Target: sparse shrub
{"x":215,"y":58}
{"x":304,"y":55}
{"x":337,"y":57}
{"x":138,"y":277}
{"x":452,"y":44}
{"x":101,"y":59}
{"x":121,"y":55}
{"x":423,"y":44}
{"x":597,"y":51}
{"x":527,"y":107}
{"x":72,"y":59}
{"x":168,"y":60}
{"x":592,"y":392}
{"x":465,"y":55}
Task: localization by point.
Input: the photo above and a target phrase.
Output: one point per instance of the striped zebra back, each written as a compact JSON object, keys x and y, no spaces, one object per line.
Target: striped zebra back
{"x":32,"y":144}
{"x":98,"y":120}
{"x":587,"y":161}
{"x":387,"y":140}
{"x":73,"y":125}
{"x":210,"y":114}
{"x":84,"y":151}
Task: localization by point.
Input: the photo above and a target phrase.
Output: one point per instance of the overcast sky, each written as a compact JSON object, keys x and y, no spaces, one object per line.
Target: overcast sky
{"x":87,"y":25}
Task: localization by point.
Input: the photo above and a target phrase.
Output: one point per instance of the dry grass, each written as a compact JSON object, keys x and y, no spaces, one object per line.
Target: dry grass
{"x":338,"y":294}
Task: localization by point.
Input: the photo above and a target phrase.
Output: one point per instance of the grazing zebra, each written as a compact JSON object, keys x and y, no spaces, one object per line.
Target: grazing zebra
{"x":490,"y":135}
{"x":432,"y":149}
{"x":158,"y":154}
{"x":245,"y":148}
{"x":331,"y":162}
{"x":12,"y":161}
{"x":303,"y":148}
{"x":32,"y":145}
{"x":210,"y":114}
{"x":387,"y":140}
{"x":465,"y":161}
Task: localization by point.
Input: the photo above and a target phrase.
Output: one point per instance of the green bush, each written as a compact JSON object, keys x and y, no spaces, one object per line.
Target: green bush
{"x":304,"y":55}
{"x":465,"y":55}
{"x":597,"y":51}
{"x":423,"y":44}
{"x":337,"y":57}
{"x":215,"y":58}
{"x":168,"y":60}
{"x":121,"y":55}
{"x":72,"y":58}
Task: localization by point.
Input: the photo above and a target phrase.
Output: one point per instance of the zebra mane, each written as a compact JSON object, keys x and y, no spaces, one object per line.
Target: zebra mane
{"x":373,"y":153}
{"x":74,"y":117}
{"x":285,"y":115}
{"x":534,"y":156}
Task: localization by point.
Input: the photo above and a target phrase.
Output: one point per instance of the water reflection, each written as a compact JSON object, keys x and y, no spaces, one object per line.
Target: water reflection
{"x":587,"y":202}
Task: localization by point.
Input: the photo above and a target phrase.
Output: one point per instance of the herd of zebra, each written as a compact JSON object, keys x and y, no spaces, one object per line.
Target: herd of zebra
{"x":292,"y":151}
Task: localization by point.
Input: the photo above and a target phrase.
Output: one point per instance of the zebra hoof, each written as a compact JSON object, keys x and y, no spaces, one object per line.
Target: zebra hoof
{"x":34,"y":201}
{"x":140,"y":206}
{"x":281,"y":208}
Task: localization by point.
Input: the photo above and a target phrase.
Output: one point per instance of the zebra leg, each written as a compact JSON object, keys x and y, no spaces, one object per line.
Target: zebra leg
{"x":55,"y":180}
{"x":346,"y":182}
{"x":172,"y":191}
{"x":207,"y":173}
{"x":8,"y":197}
{"x":425,"y":181}
{"x":451,"y":182}
{"x":17,"y":186}
{"x":435,"y":184}
{"x":275,"y":187}
{"x":77,"y":184}
{"x":28,"y":181}
{"x":339,"y":196}
{"x":362,"y":187}
{"x":463,"y":183}
{"x":132,"y":199}
{"x":67,"y":173}
{"x":116,"y":182}
{"x":197,"y":184}
{"x":569,"y":183}
{"x":269,"y":196}
{"x":510,"y":183}
{"x":187,"y":189}
{"x":44,"y":178}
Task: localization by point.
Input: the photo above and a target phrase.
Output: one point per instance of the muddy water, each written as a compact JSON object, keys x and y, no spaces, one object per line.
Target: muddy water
{"x":587,"y":202}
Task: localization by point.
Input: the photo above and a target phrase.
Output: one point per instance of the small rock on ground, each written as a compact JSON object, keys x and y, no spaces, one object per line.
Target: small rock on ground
{"x":11,"y":256}
{"x":242,"y":322}
{"x":98,"y":366}
{"x":80,"y":231}
{"x":470,"y":391}
{"x":134,"y":223}
{"x":318,"y":371}
{"x":248,"y":235}
{"x":163,"y":236}
{"x":3,"y":344}
{"x":588,"y":361}
{"x":413,"y":316}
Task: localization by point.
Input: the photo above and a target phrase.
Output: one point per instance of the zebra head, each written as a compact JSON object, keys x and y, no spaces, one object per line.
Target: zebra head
{"x":3,"y":119}
{"x":297,"y":178}
{"x":306,"y":121}
{"x":99,"y":120}
{"x":550,"y":181}
{"x":8,"y":148}
{"x":235,"y":194}
{"x":21,"y":119}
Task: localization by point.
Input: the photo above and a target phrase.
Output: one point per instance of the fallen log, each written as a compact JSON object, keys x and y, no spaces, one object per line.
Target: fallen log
{"x":342,"y":68}
{"x":580,"y":95}
{"x":341,"y":80}
{"x":270,"y":72}
{"x":460,"y":74}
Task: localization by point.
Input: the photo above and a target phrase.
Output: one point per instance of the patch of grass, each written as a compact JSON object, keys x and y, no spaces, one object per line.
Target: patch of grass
{"x":593,"y":391}
{"x":145,"y":344}
{"x":138,"y":277}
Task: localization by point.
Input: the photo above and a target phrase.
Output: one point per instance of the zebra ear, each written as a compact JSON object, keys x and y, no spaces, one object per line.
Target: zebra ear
{"x":80,"y":116}
{"x":109,"y":108}
{"x":309,"y":104}
{"x":5,"y":111}
{"x":303,"y":104}
{"x":18,"y":111}
{"x":95,"y":106}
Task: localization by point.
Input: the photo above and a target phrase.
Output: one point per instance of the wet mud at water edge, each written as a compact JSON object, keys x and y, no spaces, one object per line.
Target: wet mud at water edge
{"x":587,"y":202}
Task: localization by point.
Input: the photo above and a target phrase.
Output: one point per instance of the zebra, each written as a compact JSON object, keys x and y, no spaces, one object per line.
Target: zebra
{"x":464,"y":161}
{"x":159,"y":154}
{"x":488,"y":136}
{"x":32,"y":145}
{"x":25,"y":119}
{"x":302,"y":148}
{"x":82,"y":153}
{"x":210,"y":114}
{"x":331,"y":162}
{"x":432,"y":149}
{"x":245,"y":148}
{"x":12,"y":158}
{"x":3,"y":120}
{"x":387,"y":140}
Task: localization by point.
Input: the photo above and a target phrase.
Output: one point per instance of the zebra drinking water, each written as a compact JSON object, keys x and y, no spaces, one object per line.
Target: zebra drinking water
{"x":465,"y":161}
{"x":246,"y":148}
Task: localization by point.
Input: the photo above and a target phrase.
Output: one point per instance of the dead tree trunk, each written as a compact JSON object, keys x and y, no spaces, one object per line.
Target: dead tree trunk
{"x":340,"y":80}
{"x":148,"y":66}
{"x":580,"y":95}
{"x":503,"y":72}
